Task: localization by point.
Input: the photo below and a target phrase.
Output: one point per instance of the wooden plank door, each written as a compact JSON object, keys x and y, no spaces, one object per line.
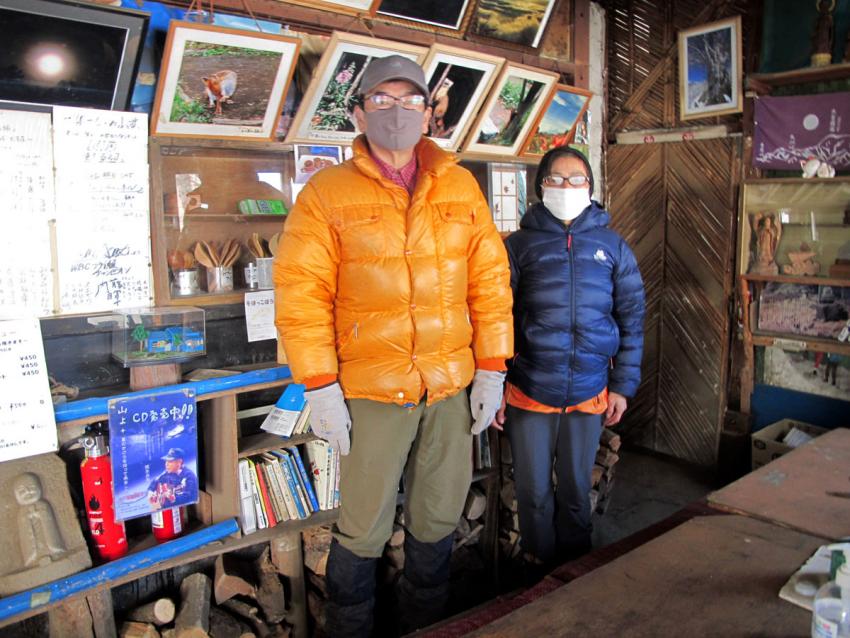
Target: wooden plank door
{"x":676,"y":206}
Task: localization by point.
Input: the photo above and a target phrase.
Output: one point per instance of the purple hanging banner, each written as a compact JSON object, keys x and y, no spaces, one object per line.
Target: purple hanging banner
{"x":793,"y":128}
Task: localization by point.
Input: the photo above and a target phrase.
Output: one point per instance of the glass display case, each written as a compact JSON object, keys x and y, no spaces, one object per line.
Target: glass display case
{"x":149,"y":336}
{"x":218,"y":211}
{"x":794,"y":261}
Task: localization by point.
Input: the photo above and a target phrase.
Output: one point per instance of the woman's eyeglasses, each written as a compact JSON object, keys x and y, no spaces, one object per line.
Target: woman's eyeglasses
{"x":383,"y":101}
{"x":571,"y":180}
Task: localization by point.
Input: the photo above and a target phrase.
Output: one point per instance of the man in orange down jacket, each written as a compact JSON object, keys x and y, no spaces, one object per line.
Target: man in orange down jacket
{"x":393,"y":297}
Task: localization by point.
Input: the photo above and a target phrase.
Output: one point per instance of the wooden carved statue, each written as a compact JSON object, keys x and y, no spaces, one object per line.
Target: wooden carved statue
{"x":802,"y":262}
{"x":822,"y":40}
{"x":767,"y":230}
{"x":38,"y":532}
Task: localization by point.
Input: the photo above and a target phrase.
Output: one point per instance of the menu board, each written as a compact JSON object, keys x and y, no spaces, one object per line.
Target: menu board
{"x":27,"y":423}
{"x":75,"y":209}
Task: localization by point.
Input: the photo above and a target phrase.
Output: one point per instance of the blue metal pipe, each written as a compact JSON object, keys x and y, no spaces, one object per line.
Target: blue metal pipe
{"x":97,"y":406}
{"x":66,"y":587}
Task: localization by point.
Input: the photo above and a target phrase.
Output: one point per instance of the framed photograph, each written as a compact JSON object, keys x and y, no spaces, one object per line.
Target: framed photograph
{"x":325,"y":112}
{"x":222,"y":83}
{"x":459,"y":81}
{"x":447,"y":14}
{"x":507,"y":188}
{"x":513,"y":106}
{"x":558,"y":121}
{"x":351,"y":7}
{"x":520,"y":22}
{"x":710,"y":69}
{"x":309,"y":160}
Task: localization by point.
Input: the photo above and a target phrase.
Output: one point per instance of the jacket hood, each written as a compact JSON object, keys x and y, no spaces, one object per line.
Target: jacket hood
{"x":539,"y":218}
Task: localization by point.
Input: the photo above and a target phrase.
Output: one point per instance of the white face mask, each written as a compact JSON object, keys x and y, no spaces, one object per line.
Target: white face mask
{"x":566,"y":203}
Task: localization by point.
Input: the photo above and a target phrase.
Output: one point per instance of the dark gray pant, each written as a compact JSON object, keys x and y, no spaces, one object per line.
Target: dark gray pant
{"x":554,"y":522}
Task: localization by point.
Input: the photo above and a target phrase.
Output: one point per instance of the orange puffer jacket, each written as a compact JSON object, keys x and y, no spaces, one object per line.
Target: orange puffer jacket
{"x":393,"y":293}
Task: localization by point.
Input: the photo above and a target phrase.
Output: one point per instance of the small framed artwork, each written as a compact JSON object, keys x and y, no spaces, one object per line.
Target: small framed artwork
{"x":557,"y":123}
{"x":517,"y":22}
{"x":351,"y":7}
{"x":325,"y":114}
{"x":507,"y":187}
{"x":515,"y":102}
{"x":223,"y":83}
{"x":710,"y":69}
{"x":458,"y":80}
{"x":309,"y":160}
{"x":447,"y":14}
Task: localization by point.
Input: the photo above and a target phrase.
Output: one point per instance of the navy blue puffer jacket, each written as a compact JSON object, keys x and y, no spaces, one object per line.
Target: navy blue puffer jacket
{"x":578,"y":306}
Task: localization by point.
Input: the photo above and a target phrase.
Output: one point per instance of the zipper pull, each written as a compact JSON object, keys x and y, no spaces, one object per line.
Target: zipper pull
{"x":569,"y":241}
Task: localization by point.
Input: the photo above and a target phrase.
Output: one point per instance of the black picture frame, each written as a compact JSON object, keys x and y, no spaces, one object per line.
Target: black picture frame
{"x":447,"y":14}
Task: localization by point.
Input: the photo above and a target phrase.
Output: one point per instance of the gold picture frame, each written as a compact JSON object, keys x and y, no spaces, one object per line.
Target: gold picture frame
{"x":325,"y":115}
{"x":511,"y":109}
{"x":242,"y":76}
{"x":710,"y":70}
{"x":556,"y":124}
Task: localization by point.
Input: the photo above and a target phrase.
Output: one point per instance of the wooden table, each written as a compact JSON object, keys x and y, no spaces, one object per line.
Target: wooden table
{"x":711,"y":576}
{"x":793,"y":490}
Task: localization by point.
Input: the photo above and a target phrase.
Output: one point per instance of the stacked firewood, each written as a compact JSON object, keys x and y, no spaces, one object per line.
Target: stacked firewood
{"x":242,"y":600}
{"x":602,"y":480}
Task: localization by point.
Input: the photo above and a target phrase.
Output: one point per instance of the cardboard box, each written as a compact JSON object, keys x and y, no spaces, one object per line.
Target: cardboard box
{"x":767,"y":442}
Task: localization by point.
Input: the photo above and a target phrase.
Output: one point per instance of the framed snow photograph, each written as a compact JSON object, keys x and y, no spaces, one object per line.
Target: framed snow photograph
{"x":325,"y":114}
{"x":222,"y":83}
{"x":710,"y":70}
{"x":458,"y":80}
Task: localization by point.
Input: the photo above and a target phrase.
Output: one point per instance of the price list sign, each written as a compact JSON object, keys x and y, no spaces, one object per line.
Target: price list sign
{"x":27,"y":423}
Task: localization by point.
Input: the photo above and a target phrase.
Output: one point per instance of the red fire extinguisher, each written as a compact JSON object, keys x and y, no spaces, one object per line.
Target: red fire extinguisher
{"x":169,"y":523}
{"x":108,"y":535}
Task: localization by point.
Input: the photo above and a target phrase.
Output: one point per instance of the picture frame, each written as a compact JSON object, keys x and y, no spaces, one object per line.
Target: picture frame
{"x":707,"y":89}
{"x":514,"y":103}
{"x":325,"y":114}
{"x":557,"y":122}
{"x":445,"y":14}
{"x":459,"y":81}
{"x":519,"y":23}
{"x":349,"y":7}
{"x":241,"y":76}
{"x":310,"y":159}
{"x":508,"y":194}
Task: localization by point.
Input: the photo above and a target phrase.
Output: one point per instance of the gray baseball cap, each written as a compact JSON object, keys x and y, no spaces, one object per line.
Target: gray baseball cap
{"x":393,"y":67}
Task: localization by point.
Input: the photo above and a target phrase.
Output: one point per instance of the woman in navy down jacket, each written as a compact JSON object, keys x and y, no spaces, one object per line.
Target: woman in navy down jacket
{"x":578,"y":333}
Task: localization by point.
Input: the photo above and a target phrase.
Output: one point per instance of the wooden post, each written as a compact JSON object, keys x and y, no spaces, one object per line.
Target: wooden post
{"x":158,"y":612}
{"x":270,"y":596}
{"x":144,"y":377}
{"x":71,"y":619}
{"x":103,"y":618}
{"x":287,"y":558}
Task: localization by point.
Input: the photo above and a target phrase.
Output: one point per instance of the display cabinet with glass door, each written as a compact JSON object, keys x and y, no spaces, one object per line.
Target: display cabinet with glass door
{"x":218,"y":211}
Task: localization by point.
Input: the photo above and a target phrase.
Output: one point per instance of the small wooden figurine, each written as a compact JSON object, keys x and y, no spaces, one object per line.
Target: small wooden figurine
{"x":822,"y":40}
{"x":767,"y":230}
{"x":802,"y":262}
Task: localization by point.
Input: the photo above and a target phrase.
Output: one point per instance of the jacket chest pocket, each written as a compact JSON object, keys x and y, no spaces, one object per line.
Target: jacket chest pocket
{"x":362,"y":236}
{"x":456,"y":226}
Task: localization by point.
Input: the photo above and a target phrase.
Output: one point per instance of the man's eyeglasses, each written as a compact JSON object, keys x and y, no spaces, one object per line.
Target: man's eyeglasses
{"x":383,"y":101}
{"x":571,"y":180}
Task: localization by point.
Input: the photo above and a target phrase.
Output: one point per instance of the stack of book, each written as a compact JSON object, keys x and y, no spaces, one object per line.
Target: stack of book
{"x":290,"y":415}
{"x":278,"y":485}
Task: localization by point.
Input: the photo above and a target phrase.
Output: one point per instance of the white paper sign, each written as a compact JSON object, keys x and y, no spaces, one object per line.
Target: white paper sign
{"x":27,"y":423}
{"x":102,"y":209}
{"x":26,"y":206}
{"x":259,"y":315}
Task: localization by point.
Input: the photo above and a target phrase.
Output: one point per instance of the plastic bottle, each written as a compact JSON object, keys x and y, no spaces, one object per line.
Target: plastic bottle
{"x":831,"y":608}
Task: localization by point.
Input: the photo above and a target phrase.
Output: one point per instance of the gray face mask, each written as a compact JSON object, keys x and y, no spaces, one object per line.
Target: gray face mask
{"x":394,"y":129}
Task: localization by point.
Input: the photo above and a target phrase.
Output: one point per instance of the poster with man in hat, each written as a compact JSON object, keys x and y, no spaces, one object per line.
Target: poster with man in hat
{"x":177,"y":485}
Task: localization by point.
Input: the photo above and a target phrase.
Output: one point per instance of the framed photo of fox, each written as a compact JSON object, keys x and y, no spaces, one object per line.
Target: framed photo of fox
{"x":222,"y":83}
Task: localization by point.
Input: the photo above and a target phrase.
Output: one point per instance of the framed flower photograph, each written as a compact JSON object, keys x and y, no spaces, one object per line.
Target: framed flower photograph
{"x":710,"y":69}
{"x":510,"y":111}
{"x":351,"y":7}
{"x":222,"y":83}
{"x":459,"y":81}
{"x":517,"y":21}
{"x":447,"y":14}
{"x":556,"y":125}
{"x":325,"y":114}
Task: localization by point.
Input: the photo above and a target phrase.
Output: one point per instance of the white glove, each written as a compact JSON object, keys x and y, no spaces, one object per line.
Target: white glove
{"x":329,"y":418}
{"x":485,"y":398}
